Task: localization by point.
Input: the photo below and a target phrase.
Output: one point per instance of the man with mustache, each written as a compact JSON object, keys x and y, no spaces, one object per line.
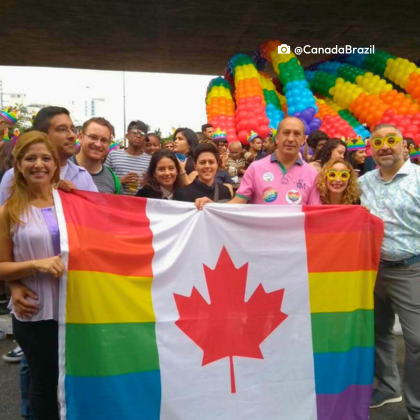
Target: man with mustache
{"x":391,"y":192}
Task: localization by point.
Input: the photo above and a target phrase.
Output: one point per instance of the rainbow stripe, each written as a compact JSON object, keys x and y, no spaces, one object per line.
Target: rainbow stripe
{"x":341,"y":300}
{"x":110,"y":346}
{"x":111,"y":368}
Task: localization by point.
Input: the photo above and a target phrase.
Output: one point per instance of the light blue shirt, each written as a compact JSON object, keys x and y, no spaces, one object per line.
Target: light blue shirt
{"x":80,"y":177}
{"x":397,"y":203}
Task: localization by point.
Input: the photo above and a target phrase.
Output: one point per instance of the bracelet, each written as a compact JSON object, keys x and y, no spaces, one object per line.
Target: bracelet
{"x":33,"y":267}
{"x":183,"y":173}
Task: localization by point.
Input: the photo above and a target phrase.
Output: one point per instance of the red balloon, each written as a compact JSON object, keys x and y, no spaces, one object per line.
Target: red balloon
{"x":253,"y":124}
{"x":243,"y":136}
{"x":241,"y":115}
{"x":214,"y":123}
{"x":242,"y":125}
{"x":263,"y":131}
{"x":413,"y":128}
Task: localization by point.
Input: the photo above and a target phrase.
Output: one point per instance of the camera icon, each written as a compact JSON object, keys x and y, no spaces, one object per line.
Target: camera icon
{"x":283,"y":49}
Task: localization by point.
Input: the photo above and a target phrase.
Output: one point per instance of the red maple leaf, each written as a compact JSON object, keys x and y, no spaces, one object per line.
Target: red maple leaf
{"x":229,"y":326}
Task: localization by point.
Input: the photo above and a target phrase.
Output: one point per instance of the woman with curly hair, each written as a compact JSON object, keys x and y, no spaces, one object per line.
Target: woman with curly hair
{"x":337,"y":183}
{"x":333,"y":149}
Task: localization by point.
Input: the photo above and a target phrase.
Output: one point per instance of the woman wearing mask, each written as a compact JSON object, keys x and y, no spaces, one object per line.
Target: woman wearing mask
{"x":162,"y":177}
{"x":337,"y":183}
{"x":30,"y":261}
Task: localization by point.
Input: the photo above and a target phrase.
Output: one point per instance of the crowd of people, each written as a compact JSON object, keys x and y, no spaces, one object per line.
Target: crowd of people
{"x":285,"y":168}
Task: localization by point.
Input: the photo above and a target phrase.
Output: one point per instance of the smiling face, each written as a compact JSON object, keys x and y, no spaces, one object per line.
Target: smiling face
{"x":152,"y":146}
{"x":206,"y":166}
{"x":338,"y":153}
{"x":95,"y":141}
{"x":166,"y":173}
{"x":387,"y":156}
{"x":337,"y":185}
{"x":37,"y":165}
{"x":290,"y":137}
{"x":62,"y":132}
{"x":360,"y":156}
{"x":181,"y":144}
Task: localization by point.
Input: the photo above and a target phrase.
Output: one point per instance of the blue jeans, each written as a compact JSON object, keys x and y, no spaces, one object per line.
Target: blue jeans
{"x":25,"y":381}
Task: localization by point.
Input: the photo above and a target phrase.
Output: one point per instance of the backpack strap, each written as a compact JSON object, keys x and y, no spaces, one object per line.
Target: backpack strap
{"x":116,"y":180}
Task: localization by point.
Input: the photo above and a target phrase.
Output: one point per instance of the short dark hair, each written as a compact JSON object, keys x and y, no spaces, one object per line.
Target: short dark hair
{"x":315,"y":137}
{"x":152,"y":135}
{"x":409,"y":141}
{"x":156,"y":158}
{"x":204,"y":127}
{"x":100,"y":121}
{"x":138,"y":124}
{"x":190,"y":136}
{"x":43,"y":119}
{"x":206,"y":147}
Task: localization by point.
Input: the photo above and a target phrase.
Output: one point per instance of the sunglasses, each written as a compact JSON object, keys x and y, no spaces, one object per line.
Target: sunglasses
{"x":137,"y":132}
{"x":390,"y":139}
{"x":332,"y":175}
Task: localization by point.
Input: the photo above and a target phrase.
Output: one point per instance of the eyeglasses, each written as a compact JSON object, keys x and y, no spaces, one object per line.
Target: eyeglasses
{"x":64,"y":129}
{"x":104,"y":140}
{"x":390,"y":139}
{"x":332,"y":175}
{"x":137,"y":132}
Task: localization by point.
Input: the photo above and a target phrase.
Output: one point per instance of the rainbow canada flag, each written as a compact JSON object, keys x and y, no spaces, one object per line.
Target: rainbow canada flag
{"x":236,"y":312}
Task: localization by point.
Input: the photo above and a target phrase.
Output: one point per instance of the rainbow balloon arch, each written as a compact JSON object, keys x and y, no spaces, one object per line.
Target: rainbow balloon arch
{"x":344,"y":96}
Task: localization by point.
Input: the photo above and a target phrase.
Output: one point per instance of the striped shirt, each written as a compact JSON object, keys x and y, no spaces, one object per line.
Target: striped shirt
{"x":122,"y":163}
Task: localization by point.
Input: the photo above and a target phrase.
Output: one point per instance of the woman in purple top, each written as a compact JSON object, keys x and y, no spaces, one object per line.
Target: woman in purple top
{"x":30,"y":255}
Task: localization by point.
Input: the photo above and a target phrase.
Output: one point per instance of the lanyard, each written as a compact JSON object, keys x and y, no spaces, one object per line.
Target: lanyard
{"x":283,"y":169}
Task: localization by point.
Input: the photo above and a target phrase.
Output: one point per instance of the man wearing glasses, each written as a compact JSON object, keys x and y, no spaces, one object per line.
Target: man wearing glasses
{"x":391,"y":192}
{"x":132,"y":163}
{"x":95,"y":139}
{"x":56,"y":123}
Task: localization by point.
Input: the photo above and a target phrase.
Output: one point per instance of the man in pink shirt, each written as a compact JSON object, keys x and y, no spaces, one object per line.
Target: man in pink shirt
{"x":282,"y":178}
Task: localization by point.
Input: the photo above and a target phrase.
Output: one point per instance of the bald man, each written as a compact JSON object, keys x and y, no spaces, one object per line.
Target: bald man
{"x":281,"y":178}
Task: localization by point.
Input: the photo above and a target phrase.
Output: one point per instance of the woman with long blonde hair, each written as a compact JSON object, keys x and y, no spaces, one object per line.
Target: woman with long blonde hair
{"x":337,"y":183}
{"x":30,"y":255}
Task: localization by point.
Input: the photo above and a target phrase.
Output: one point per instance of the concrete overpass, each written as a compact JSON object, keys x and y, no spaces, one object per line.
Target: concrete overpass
{"x":196,"y":37}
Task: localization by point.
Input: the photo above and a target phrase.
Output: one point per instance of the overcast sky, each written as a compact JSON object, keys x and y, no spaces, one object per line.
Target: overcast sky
{"x":159,"y":99}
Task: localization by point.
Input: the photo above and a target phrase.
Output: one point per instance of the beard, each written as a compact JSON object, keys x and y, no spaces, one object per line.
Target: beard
{"x":389,"y":163}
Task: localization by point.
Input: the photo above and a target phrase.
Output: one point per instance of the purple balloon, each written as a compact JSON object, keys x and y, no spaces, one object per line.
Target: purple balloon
{"x":297,"y":115}
{"x":313,"y":126}
{"x":307,"y":130}
{"x":312,"y":110}
{"x":306,"y":115}
{"x":317,"y":120}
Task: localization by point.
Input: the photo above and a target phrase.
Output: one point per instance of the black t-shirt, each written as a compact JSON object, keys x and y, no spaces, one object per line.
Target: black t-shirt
{"x":148,"y":192}
{"x":197,"y":190}
{"x":189,"y":166}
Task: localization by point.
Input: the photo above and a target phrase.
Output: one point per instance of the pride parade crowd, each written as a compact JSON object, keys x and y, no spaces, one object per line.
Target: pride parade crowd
{"x":285,"y":168}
